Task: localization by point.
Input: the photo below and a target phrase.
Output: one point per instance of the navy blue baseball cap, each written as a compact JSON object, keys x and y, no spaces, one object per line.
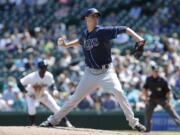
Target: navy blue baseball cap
{"x":42,"y":64}
{"x":155,"y":68}
{"x":91,"y":11}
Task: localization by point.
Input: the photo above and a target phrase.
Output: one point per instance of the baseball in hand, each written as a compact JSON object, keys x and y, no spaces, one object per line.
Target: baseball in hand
{"x":61,"y":41}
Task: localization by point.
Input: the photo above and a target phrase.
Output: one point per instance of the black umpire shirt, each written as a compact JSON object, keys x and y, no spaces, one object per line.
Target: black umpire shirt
{"x":158,"y":87}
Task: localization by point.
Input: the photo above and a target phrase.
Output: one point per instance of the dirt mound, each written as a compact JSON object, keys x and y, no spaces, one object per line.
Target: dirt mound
{"x":20,"y":130}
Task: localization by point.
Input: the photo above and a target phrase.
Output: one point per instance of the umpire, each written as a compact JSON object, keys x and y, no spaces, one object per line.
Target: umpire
{"x":157,"y":92}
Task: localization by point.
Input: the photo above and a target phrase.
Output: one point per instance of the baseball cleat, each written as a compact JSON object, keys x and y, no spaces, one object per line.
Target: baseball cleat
{"x":177,"y":121}
{"x":46,"y":124}
{"x":140,"y":128}
{"x":68,"y":124}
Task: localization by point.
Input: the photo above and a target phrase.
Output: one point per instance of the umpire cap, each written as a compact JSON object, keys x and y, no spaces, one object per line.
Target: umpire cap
{"x":42,"y":64}
{"x":91,"y":11}
{"x":155,"y":68}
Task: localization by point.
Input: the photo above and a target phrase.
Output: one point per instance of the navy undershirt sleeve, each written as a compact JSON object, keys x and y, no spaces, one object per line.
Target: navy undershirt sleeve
{"x":112,"y":32}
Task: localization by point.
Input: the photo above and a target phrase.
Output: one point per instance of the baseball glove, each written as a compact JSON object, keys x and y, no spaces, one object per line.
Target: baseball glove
{"x":38,"y":89}
{"x":139,"y":48}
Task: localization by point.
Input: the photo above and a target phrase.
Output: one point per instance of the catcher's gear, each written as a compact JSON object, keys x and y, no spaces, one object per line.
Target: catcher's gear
{"x":139,"y":48}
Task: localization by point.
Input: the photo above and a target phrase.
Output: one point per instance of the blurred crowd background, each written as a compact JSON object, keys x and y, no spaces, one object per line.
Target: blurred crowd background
{"x":29,"y":30}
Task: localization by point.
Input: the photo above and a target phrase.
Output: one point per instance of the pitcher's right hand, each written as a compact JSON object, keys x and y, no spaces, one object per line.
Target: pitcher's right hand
{"x":61,"y":41}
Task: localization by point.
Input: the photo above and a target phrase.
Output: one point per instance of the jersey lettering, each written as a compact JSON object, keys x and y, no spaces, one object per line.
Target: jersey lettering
{"x":90,"y":43}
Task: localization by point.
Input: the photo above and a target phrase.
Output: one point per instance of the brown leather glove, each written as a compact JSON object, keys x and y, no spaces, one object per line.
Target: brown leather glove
{"x":39,"y":90}
{"x":139,"y":48}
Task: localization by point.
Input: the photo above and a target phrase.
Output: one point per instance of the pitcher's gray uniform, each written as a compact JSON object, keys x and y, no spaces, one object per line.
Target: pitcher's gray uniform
{"x":99,"y":71}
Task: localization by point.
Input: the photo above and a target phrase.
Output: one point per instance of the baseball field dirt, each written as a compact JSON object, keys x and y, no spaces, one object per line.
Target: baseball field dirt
{"x":21,"y":130}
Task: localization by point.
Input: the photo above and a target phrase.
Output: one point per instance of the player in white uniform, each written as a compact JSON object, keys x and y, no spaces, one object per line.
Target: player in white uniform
{"x":36,"y":86}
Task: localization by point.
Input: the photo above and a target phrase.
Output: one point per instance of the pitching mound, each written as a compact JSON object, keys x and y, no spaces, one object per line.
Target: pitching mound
{"x":19,"y":130}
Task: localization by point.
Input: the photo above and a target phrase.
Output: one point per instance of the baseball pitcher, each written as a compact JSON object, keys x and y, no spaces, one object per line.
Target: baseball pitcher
{"x":95,"y":42}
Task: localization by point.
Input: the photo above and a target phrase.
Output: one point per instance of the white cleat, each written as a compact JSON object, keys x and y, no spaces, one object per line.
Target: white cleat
{"x":68,"y":124}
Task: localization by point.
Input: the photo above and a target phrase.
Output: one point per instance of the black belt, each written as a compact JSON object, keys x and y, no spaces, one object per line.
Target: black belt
{"x":105,"y":66}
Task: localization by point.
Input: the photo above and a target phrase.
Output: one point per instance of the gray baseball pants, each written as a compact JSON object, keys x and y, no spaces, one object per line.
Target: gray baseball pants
{"x":91,"y":79}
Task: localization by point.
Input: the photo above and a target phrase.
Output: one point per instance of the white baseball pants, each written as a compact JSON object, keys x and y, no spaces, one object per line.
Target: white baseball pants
{"x":46,"y":99}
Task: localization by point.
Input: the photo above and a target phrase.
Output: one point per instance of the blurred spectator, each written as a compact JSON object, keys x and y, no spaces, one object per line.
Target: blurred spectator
{"x":19,"y":103}
{"x":63,"y":82}
{"x":9,"y":94}
{"x":65,"y":59}
{"x":48,"y":46}
{"x":41,"y":2}
{"x":2,"y":2}
{"x":75,"y":73}
{"x":108,"y":102}
{"x":50,"y":59}
{"x":60,"y":97}
{"x":133,"y":97}
{"x":30,"y":2}
{"x":63,"y":1}
{"x":63,"y":12}
{"x":71,"y":87}
{"x":111,"y":19}
{"x":3,"y":104}
{"x":135,"y":12}
{"x":87,"y":103}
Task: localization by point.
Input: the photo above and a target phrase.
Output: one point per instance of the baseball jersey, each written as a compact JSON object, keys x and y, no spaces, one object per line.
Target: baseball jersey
{"x":34,"y":78}
{"x":96,"y":45}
